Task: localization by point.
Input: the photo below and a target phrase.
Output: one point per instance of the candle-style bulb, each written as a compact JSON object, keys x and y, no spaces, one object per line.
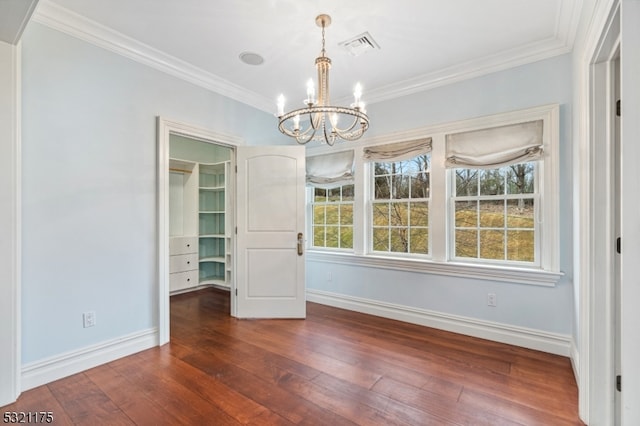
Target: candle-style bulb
{"x":311,"y":92}
{"x":357,"y":94}
{"x":296,"y":122}
{"x":280,"y":105}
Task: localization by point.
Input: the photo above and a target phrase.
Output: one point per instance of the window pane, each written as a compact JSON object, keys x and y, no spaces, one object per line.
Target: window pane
{"x":420,"y":185}
{"x":520,"y":213}
{"x":382,"y":169}
{"x":318,"y":236}
{"x":382,"y":187}
{"x":381,"y":239}
{"x":347,"y":193}
{"x":492,"y":244}
{"x":320,"y":195}
{"x":346,"y":214}
{"x":399,"y":214}
{"x":492,"y":214}
{"x":334,"y":194}
{"x":346,"y":237}
{"x":380,"y":214}
{"x":466,"y":182}
{"x":400,"y":240}
{"x":332,"y":217}
{"x":332,"y":237}
{"x":419,"y":240}
{"x":466,"y":243}
{"x":520,"y":246}
{"x":520,"y":178}
{"x":419,"y":214}
{"x":400,"y":186}
{"x":466,"y":214}
{"x":318,"y":215}
{"x":492,"y":182}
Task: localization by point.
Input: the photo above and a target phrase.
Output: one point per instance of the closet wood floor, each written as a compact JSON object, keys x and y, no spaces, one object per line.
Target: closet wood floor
{"x":335,"y":368}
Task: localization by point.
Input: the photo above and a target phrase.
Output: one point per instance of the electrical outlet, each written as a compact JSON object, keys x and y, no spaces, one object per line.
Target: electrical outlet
{"x":491,"y":299}
{"x":89,"y":319}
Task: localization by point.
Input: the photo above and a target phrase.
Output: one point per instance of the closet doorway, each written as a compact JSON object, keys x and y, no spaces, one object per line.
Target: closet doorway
{"x":196,"y":218}
{"x":254,"y":247}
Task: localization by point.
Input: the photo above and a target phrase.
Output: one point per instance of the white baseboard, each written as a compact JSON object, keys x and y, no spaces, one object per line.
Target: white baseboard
{"x":48,"y":370}
{"x":554,"y":343}
{"x":575,"y":360}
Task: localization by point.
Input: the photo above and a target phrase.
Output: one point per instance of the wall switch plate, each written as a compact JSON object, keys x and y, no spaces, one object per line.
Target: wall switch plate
{"x":89,"y":319}
{"x":491,"y":299}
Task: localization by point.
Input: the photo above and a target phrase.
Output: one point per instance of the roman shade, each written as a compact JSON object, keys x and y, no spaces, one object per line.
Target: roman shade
{"x":398,"y":151}
{"x":330,"y":170}
{"x":495,"y":147}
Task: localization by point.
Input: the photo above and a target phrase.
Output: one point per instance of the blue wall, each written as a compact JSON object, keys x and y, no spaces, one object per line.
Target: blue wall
{"x":539,"y":308}
{"x":89,"y":186}
{"x":89,"y":191}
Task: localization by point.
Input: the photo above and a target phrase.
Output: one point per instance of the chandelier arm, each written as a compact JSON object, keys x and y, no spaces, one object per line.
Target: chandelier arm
{"x":340,"y":131}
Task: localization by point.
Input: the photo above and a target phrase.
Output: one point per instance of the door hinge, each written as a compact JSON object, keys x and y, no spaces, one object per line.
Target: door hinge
{"x":618,"y":108}
{"x":619,"y":383}
{"x":236,"y":169}
{"x":236,"y":230}
{"x":236,"y":291}
{"x":618,"y":245}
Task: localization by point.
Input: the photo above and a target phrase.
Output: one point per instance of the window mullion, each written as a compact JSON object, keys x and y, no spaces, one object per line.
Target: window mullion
{"x":438,"y":202}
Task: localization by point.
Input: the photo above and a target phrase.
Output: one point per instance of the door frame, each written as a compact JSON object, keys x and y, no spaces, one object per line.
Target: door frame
{"x":11,"y":226}
{"x":165,"y":128}
{"x":595,"y":259}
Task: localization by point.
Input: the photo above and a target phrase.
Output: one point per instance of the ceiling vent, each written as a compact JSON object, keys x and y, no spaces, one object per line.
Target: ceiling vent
{"x":360,"y":44}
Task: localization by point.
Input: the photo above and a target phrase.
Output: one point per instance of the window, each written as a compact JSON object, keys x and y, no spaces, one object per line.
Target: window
{"x":333,"y":217}
{"x":400,"y":206}
{"x":331,"y":179}
{"x":493,"y":213}
{"x":476,"y":198}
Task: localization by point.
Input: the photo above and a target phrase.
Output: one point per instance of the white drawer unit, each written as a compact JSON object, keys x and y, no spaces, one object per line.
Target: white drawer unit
{"x":183,"y":263}
{"x":183,"y":280}
{"x":183,"y":245}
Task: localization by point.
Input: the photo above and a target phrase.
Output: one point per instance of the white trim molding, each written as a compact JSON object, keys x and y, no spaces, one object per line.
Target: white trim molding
{"x":45,"y":371}
{"x":78,"y":26}
{"x":554,"y":343}
{"x":69,"y":22}
{"x":165,"y":128}
{"x":10,"y":221}
{"x":452,"y":269}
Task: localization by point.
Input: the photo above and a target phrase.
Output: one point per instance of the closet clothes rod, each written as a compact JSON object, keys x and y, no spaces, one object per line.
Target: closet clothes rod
{"x":171,"y":169}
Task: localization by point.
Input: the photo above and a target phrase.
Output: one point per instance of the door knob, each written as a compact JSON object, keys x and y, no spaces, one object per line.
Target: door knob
{"x":300,"y":243}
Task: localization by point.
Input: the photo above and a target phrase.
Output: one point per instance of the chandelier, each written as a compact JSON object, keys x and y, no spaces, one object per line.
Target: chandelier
{"x":319,"y":121}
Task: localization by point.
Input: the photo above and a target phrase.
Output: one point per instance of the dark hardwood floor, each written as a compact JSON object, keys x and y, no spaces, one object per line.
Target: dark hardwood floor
{"x":335,"y":368}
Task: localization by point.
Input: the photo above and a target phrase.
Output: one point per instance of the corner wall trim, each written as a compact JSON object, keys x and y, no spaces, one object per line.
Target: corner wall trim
{"x":554,"y":343}
{"x":45,"y":371}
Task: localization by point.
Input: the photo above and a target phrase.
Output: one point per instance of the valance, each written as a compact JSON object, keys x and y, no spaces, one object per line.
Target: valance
{"x":330,"y":170}
{"x":398,"y":151}
{"x":495,"y":147}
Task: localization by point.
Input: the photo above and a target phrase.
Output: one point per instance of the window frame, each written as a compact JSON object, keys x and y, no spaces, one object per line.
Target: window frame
{"x":371,"y":200}
{"x":535,"y":195}
{"x":547,"y":273}
{"x":312,"y":204}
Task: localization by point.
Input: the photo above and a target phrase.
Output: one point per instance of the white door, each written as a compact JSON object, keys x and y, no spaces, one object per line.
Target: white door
{"x":270,"y":244}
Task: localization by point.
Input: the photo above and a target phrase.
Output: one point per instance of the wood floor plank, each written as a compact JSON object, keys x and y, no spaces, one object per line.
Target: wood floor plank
{"x":336,"y":367}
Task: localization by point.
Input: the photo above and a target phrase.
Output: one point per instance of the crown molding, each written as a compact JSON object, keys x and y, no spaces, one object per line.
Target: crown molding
{"x":71,"y":23}
{"x":75,"y":25}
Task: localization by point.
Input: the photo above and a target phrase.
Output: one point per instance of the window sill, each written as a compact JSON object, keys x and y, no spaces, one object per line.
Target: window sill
{"x":455,"y":269}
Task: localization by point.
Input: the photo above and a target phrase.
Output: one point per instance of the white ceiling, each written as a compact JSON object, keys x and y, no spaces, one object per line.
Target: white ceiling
{"x":423,"y":43}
